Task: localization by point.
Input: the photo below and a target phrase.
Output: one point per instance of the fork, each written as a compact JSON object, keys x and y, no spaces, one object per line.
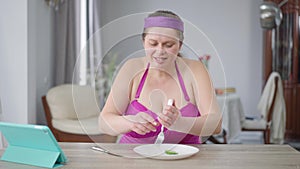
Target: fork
{"x":161,"y":136}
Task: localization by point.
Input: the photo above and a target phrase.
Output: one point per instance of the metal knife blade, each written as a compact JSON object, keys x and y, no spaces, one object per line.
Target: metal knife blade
{"x":97,"y":148}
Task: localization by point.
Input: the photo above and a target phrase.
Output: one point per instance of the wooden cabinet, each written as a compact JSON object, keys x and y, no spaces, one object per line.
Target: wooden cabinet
{"x":281,"y":54}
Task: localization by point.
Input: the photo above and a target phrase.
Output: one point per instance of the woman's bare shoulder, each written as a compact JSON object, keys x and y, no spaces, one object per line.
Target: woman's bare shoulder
{"x":132,"y":67}
{"x":127,"y":73}
{"x":194,"y":65}
{"x":134,"y":63}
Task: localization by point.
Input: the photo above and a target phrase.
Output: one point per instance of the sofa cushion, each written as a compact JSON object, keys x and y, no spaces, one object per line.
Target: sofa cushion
{"x":72,"y":102}
{"x":254,"y":124}
{"x":87,"y":126}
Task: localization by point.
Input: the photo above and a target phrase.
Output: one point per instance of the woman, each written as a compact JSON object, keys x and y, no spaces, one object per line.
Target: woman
{"x":137,"y":104}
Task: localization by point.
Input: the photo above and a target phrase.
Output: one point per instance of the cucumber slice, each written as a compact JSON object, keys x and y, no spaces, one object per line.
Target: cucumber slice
{"x":170,"y":152}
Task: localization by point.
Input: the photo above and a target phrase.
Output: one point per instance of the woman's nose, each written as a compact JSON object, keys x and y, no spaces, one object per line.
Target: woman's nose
{"x":160,"y":49}
{"x":160,"y":52}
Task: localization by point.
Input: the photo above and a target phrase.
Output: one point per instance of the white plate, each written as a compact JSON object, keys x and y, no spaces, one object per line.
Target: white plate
{"x":157,"y":151}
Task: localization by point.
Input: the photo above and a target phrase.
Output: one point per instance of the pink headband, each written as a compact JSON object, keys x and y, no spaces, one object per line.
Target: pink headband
{"x":162,"y":21}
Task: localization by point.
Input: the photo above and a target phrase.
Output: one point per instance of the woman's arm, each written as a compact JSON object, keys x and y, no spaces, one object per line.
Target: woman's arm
{"x":210,"y":121}
{"x":114,"y":123}
{"x":211,"y":118}
{"x":111,"y":119}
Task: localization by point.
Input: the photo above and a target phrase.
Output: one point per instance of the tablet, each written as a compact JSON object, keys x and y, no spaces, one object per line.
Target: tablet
{"x":31,"y":144}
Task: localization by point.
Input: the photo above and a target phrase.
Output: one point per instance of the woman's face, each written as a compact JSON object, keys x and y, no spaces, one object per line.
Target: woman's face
{"x":162,"y":46}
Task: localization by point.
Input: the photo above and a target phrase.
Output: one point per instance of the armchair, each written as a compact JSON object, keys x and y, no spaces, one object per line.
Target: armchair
{"x":72,"y":114}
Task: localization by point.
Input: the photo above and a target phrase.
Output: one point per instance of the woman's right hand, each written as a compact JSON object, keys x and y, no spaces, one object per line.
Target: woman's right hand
{"x":142,"y":123}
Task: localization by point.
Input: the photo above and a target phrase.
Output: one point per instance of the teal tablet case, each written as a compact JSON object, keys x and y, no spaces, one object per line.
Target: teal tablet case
{"x":31,"y":144}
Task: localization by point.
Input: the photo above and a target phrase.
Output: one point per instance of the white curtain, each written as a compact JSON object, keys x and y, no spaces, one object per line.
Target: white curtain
{"x":77,"y":60}
{"x":96,"y":76}
{"x":67,"y":41}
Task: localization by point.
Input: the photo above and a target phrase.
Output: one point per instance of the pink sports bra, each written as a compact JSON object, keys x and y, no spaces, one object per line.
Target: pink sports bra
{"x":189,"y":110}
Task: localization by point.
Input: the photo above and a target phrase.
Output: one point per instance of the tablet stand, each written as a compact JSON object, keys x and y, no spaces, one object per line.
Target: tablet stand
{"x":31,"y":156}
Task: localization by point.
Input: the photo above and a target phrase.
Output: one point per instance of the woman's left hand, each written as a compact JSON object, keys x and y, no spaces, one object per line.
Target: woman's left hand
{"x":169,"y":115}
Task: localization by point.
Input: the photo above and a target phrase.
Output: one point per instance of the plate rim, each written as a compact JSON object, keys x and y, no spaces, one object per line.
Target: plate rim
{"x":170,"y":157}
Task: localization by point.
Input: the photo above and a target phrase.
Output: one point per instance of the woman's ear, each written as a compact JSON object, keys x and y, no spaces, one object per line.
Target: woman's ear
{"x":180,"y":45}
{"x":143,"y":39}
{"x":143,"y":43}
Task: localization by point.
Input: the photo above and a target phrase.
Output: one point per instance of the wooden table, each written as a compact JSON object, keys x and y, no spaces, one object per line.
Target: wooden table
{"x":210,"y":156}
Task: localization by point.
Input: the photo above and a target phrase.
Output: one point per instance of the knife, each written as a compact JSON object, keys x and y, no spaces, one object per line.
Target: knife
{"x":97,"y":148}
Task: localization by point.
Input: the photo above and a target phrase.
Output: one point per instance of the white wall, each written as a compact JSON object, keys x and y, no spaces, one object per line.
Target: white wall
{"x":40,"y":48}
{"x":25,"y":59}
{"x":231,"y":25}
{"x":14,"y":61}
